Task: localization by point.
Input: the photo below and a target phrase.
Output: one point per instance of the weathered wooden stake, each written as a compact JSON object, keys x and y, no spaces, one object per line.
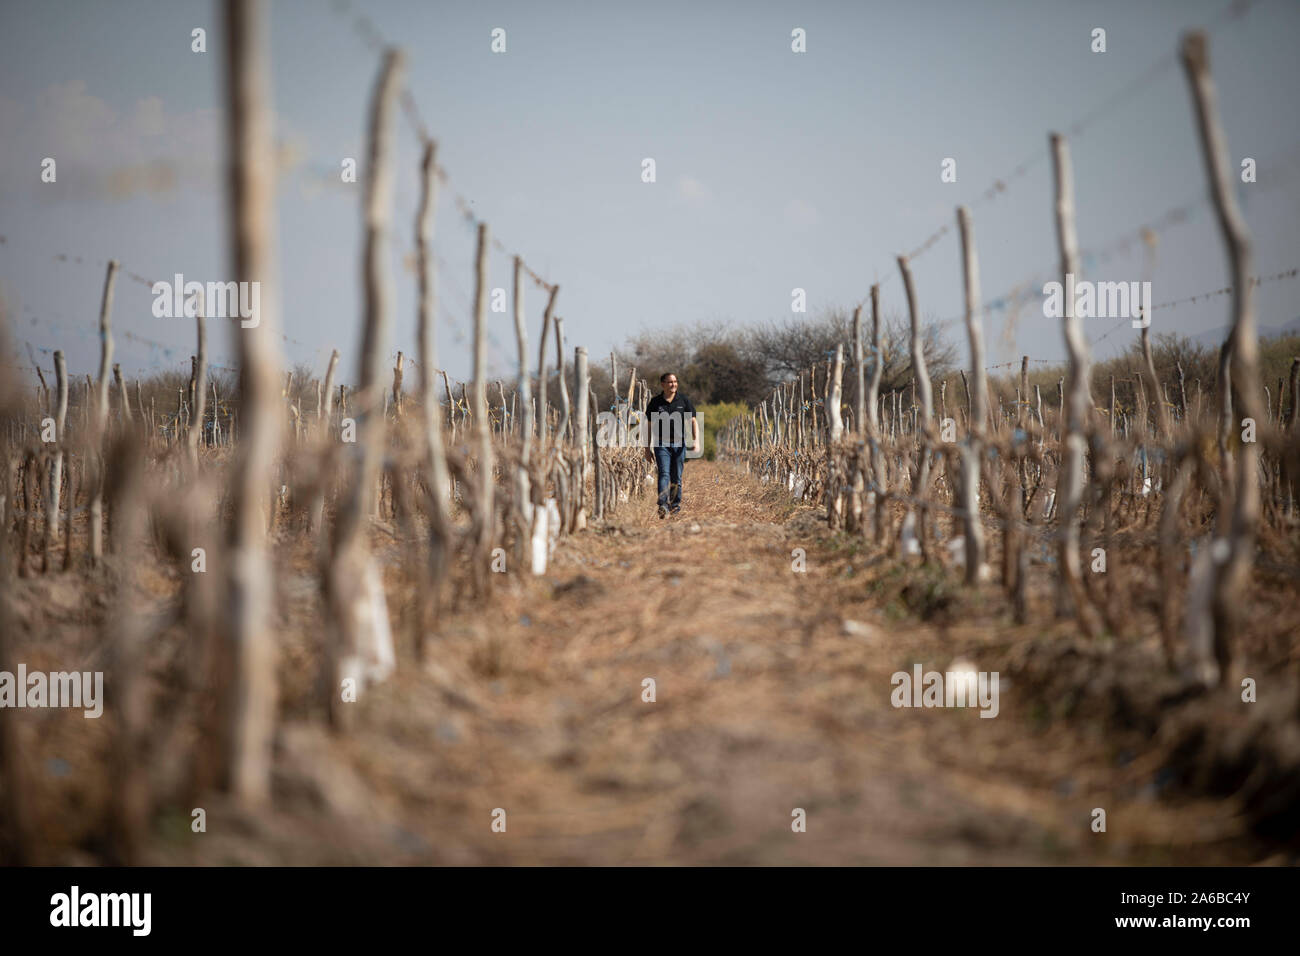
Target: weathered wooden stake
{"x":250,"y":693}
{"x":835,"y":397}
{"x":100,"y":423}
{"x":978,"y":402}
{"x":1236,"y":527}
{"x":541,"y":365}
{"x":435,"y":453}
{"x":483,"y":523}
{"x":562,"y":432}
{"x":56,"y":470}
{"x":582,"y":383}
{"x":200,"y":384}
{"x":1078,"y":404}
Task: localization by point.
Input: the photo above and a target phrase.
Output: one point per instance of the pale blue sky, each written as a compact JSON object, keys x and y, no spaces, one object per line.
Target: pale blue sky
{"x":775,"y":170}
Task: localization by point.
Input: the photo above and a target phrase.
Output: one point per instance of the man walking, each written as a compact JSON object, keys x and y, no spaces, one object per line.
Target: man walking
{"x":668,"y":414}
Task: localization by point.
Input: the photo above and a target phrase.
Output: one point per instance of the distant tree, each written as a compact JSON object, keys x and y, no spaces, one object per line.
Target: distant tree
{"x":654,"y":352}
{"x":704,"y":356}
{"x":789,"y":346}
{"x":718,"y":363}
{"x":719,"y":372}
{"x":786,"y":347}
{"x":1168,"y":351}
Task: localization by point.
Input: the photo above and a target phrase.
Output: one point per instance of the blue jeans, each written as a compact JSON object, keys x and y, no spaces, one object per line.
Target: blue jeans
{"x":670,"y":459}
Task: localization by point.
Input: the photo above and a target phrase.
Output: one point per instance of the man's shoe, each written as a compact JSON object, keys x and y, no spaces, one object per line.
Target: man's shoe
{"x":663,"y":512}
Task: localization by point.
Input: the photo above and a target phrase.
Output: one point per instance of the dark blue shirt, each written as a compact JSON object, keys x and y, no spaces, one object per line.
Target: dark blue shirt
{"x":670,"y":422}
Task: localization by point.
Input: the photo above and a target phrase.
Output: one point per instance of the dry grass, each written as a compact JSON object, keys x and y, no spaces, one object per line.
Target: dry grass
{"x":766,"y":701}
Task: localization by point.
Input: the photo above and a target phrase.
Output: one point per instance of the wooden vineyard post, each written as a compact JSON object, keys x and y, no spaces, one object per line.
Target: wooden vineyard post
{"x":539,"y":533}
{"x":598,"y":474}
{"x":483,"y":512}
{"x":547,"y":318}
{"x":838,"y":487}
{"x":144,"y":416}
{"x":835,"y":397}
{"x":324,"y":419}
{"x":325,"y":414}
{"x":1182,"y":395}
{"x":435,"y":452}
{"x":860,"y":469}
{"x":360,"y":645}
{"x":1223,"y":385}
{"x":860,"y":373}
{"x":397,"y":386}
{"x":878,"y":477}
{"x":42,"y":390}
{"x":95,"y":455}
{"x":1236,"y":527}
{"x":250,"y":693}
{"x":200,"y":386}
{"x":631,"y":407}
{"x":972,"y":448}
{"x":72,"y":500}
{"x":1038,"y":413}
{"x":613,"y":379}
{"x":562,"y":432}
{"x":582,"y":383}
{"x":216,"y":417}
{"x":523,"y":386}
{"x":814,"y":433}
{"x":124,"y":399}
{"x":56,"y":470}
{"x":523,"y":510}
{"x":451,"y":404}
{"x":1112,"y":408}
{"x":798,"y":413}
{"x":1022,"y":416}
{"x":921,"y":477}
{"x":1076,"y":404}
{"x":1164,"y":431}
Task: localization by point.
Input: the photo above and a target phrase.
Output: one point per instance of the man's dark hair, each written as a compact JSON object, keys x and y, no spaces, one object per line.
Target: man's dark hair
{"x":664,"y":377}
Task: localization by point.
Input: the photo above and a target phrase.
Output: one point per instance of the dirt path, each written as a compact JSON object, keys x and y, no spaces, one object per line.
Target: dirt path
{"x":766,"y":701}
